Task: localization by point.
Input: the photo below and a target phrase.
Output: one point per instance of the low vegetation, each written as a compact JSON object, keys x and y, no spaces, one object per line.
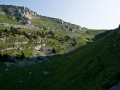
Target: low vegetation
{"x":56,"y":56}
{"x":93,"y":66}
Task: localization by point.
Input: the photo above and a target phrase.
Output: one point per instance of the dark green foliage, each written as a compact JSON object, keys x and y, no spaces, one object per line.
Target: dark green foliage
{"x":91,"y":67}
{"x":22,"y":55}
{"x":67,"y":38}
{"x":5,"y":57}
{"x":51,"y":34}
{"x":14,"y":31}
{"x":53,"y":50}
{"x":70,"y":29}
{"x":101,"y":35}
{"x":61,"y":40}
{"x":73,"y":42}
{"x":19,"y":33}
{"x":0,"y":33}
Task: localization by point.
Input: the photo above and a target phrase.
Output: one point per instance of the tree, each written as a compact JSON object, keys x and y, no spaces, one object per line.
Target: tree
{"x":42,"y":34}
{"x":67,"y":38}
{"x":73,"y":43}
{"x":35,"y":36}
{"x":61,"y":40}
{"x":22,"y":55}
{"x":12,"y":30}
{"x":70,"y":29}
{"x":5,"y":57}
{"x":0,"y":56}
{"x":19,"y":33}
{"x":0,"y":33}
{"x":51,"y":34}
{"x":53,"y":50}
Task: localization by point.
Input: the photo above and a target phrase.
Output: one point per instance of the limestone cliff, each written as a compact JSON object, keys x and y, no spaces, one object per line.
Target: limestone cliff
{"x":22,"y":14}
{"x":25,"y":16}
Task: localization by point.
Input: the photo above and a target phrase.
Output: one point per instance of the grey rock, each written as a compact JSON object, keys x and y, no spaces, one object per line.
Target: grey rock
{"x":115,"y":87}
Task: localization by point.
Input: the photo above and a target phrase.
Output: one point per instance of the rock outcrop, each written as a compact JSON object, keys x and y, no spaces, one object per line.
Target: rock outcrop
{"x":19,"y":11}
{"x":22,"y":14}
{"x":27,"y":26}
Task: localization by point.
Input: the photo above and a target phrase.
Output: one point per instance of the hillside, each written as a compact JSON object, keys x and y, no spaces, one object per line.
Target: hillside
{"x":36,"y":35}
{"x":94,"y":66}
{"x":44,"y":53}
{"x":23,"y":15}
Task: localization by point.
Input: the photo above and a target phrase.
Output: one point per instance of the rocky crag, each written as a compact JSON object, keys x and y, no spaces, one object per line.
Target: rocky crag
{"x":25,"y":15}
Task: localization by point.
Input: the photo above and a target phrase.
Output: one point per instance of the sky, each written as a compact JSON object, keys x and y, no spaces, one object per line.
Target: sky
{"x":94,"y":14}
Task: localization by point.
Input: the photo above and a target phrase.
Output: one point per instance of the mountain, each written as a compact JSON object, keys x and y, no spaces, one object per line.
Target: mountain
{"x":44,"y":53}
{"x":94,"y":66}
{"x":25,"y":16}
{"x":22,"y":28}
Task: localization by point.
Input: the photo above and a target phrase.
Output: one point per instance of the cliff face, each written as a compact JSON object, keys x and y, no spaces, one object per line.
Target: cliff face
{"x":26,"y":16}
{"x":19,"y":11}
{"x":22,"y":14}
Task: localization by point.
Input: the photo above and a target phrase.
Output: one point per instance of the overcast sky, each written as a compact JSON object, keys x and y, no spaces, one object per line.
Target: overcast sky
{"x":99,"y":14}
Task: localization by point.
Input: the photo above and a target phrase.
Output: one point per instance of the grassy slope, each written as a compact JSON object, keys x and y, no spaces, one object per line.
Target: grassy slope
{"x":81,"y":36}
{"x":46,"y":23}
{"x":53,"y":23}
{"x":7,"y":18}
{"x":91,"y":67}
